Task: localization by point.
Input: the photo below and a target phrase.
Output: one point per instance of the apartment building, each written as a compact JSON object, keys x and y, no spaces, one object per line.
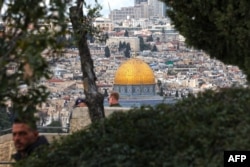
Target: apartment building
{"x":104,"y":24}
{"x":134,"y":42}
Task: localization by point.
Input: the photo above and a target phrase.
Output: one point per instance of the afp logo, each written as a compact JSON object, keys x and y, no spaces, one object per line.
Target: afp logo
{"x":236,"y":158}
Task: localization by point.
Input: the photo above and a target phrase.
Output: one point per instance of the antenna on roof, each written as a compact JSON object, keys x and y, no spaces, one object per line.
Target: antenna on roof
{"x":109,"y":7}
{"x":110,"y":12}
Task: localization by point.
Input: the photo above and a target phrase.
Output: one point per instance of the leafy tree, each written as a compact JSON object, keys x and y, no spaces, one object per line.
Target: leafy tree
{"x":193,"y":132}
{"x":127,"y":50}
{"x":128,"y":47}
{"x":82,"y":25}
{"x":177,"y":94}
{"x":154,"y":49}
{"x":163,"y":34}
{"x":147,"y":47}
{"x":150,"y":38}
{"x":127,"y":53}
{"x":120,"y":46}
{"x":143,"y":45}
{"x":158,"y":39}
{"x":124,"y":45}
{"x":32,"y":33}
{"x":141,"y":41}
{"x":107,"y":51}
{"x":220,"y":28}
{"x":126,"y":33}
{"x":70,"y":42}
{"x":91,"y":38}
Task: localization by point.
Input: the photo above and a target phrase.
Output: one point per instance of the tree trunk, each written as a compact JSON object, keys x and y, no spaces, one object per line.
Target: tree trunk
{"x":93,"y":97}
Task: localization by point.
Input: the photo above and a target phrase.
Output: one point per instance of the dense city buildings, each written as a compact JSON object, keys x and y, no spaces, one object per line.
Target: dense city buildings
{"x":168,"y":69}
{"x":139,"y":1}
{"x":105,"y":24}
{"x":122,"y":14}
{"x":141,"y":9}
{"x":134,"y":42}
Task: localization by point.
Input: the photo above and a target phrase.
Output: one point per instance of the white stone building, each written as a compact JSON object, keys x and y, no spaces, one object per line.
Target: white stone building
{"x":104,"y":24}
{"x":134,"y":42}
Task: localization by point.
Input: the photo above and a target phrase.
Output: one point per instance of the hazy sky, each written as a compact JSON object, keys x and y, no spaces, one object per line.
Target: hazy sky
{"x":114,"y":4}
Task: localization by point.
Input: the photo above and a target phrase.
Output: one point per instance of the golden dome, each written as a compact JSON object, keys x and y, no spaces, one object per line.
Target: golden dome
{"x":134,"y":72}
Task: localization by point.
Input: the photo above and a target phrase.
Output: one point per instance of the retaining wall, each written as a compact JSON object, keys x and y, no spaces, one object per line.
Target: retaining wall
{"x":79,"y":120}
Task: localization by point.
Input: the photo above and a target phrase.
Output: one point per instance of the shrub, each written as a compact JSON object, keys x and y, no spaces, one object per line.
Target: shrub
{"x":193,"y":132}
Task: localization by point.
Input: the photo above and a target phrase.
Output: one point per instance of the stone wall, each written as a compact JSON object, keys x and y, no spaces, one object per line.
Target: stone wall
{"x":6,"y":148}
{"x":79,"y":120}
{"x":80,"y":117}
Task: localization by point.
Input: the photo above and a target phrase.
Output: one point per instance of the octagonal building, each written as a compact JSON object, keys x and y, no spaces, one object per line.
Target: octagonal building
{"x":134,"y":77}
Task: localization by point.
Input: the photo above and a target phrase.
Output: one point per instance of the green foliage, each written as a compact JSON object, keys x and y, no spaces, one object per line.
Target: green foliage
{"x":150,"y":39}
{"x":127,"y":50}
{"x":143,"y":45}
{"x":34,"y":31}
{"x":193,"y":132}
{"x":32,"y":28}
{"x":107,"y":51}
{"x":126,"y":33}
{"x":220,"y":28}
{"x":154,"y":49}
{"x":141,"y":41}
{"x":120,"y":46}
{"x":85,"y":24}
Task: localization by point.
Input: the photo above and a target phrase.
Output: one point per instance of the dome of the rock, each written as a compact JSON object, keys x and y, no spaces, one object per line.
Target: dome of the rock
{"x":134,"y":72}
{"x":134,"y":77}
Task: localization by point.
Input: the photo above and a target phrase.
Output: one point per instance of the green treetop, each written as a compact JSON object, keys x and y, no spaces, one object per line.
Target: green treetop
{"x":34,"y":31}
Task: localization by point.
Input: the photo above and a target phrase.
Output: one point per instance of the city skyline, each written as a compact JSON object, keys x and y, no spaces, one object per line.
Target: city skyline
{"x":113,"y":5}
{"x":104,"y":3}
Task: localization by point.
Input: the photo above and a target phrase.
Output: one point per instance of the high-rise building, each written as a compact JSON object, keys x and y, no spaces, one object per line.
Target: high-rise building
{"x":158,"y":8}
{"x":141,"y":9}
{"x":139,"y":1}
{"x":122,"y":14}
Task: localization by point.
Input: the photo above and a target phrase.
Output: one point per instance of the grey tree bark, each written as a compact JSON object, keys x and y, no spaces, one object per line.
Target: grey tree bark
{"x":93,"y":97}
